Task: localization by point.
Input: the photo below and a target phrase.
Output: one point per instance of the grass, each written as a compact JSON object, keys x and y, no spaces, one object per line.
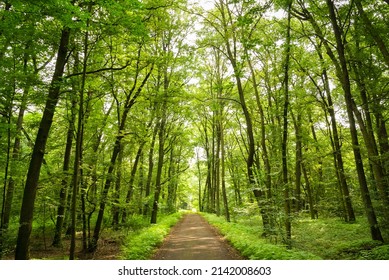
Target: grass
{"x":334,"y":239}
{"x":325,"y":238}
{"x":247,"y":239}
{"x":141,"y":244}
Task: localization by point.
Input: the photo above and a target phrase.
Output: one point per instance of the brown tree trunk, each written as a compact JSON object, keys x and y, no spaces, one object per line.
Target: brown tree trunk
{"x":345,"y":81}
{"x":223,"y":176}
{"x":129,"y":102}
{"x":27,"y":209}
{"x":366,"y":125}
{"x":349,"y":214}
{"x":299,"y":158}
{"x":267,"y":199}
{"x":146,"y":208}
{"x":287,"y":206}
{"x":131,"y":180}
{"x":250,"y":160}
{"x":161,"y":155}
{"x":57,"y":240}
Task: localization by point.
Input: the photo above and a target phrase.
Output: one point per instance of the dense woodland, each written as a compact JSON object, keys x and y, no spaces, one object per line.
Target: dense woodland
{"x":111,"y":110}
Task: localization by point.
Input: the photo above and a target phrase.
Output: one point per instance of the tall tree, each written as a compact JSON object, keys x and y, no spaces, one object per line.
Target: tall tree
{"x":343,"y":74}
{"x":26,"y":215}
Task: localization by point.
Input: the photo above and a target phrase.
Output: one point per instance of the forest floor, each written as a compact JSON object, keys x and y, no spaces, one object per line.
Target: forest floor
{"x":194,"y":239}
{"x":41,"y":249}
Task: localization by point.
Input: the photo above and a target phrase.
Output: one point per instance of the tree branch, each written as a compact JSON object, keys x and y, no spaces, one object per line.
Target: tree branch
{"x":100,"y":70}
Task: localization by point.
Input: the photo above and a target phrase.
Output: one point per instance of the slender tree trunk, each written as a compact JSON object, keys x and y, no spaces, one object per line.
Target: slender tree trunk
{"x":349,"y":215}
{"x":79,"y":146}
{"x":57,"y":240}
{"x":131,"y":180}
{"x":161,"y":155}
{"x":199,"y":177}
{"x":287,"y":206}
{"x":116,"y":195}
{"x":319,"y":185}
{"x":26,"y":214}
{"x":299,"y":159}
{"x":217,"y":161}
{"x":223,"y":175}
{"x":366,"y":125}
{"x":150,"y":170}
{"x":345,"y":81}
{"x":250,"y":160}
{"x":130,"y":101}
{"x":309,"y":192}
{"x":267,"y":198}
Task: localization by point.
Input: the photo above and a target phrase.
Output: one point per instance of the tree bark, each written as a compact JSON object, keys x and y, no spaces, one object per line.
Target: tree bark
{"x":345,"y":81}
{"x":57,"y":240}
{"x":30,"y":189}
{"x":161,"y":155}
{"x":287,"y":206}
{"x":131,"y":180}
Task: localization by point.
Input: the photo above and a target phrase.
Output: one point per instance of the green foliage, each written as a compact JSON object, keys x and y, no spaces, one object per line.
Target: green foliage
{"x":247,"y":240}
{"x":359,"y":249}
{"x":137,"y":222}
{"x":140,"y":244}
{"x":331,"y":238}
{"x":377,"y":253}
{"x":196,"y":111}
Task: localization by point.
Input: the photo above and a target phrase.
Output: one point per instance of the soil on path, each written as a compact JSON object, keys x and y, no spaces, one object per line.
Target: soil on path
{"x":194,"y":239}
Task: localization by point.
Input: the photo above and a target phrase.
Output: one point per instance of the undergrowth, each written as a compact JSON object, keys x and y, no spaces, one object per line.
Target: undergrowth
{"x":141,"y":244}
{"x":247,"y":239}
{"x":325,"y":238}
{"x":334,"y":239}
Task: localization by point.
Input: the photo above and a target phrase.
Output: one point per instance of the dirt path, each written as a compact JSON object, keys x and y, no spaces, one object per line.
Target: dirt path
{"x":194,"y":239}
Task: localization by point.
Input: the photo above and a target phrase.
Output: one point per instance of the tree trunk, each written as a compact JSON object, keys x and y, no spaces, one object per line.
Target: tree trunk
{"x":161,"y":155}
{"x":349,"y":215}
{"x":27,"y":209}
{"x":250,"y":161}
{"x":299,"y":159}
{"x":287,"y":206}
{"x":131,"y":180}
{"x":366,"y":125}
{"x":345,"y":81}
{"x":267,"y":200}
{"x":223,"y":176}
{"x":129,"y":102}
{"x":150,"y":170}
{"x":57,"y":240}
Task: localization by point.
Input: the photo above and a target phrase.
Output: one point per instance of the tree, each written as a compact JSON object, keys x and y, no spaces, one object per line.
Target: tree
{"x":343,"y":74}
{"x":26,"y":215}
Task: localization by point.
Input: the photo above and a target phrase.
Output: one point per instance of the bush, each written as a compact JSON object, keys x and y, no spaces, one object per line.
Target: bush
{"x":359,"y":249}
{"x":141,"y":244}
{"x":247,"y":240}
{"x":377,"y":253}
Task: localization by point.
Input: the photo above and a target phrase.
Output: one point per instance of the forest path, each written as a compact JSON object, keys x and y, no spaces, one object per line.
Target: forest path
{"x":193,"y":238}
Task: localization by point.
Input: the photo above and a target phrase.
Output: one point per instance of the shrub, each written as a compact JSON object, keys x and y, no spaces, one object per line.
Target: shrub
{"x":141,"y":244}
{"x":247,"y":240}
